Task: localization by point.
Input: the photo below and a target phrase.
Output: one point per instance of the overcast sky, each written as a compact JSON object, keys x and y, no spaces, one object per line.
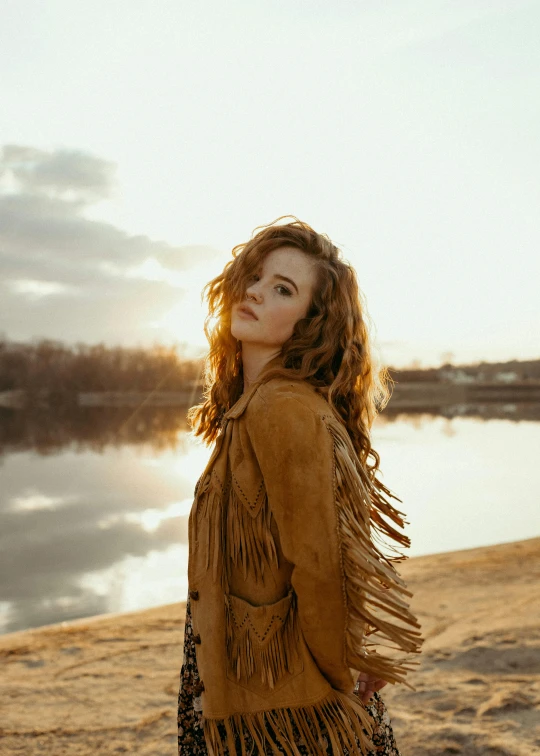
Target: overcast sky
{"x":143,"y":140}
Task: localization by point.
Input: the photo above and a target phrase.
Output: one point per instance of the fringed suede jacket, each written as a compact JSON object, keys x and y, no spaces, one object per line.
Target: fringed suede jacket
{"x":285,"y":582}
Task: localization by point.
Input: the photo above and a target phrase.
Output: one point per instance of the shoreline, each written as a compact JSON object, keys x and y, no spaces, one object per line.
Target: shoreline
{"x":109,"y":683}
{"x":406,"y":394}
{"x":115,"y":615}
{"x":66,"y":624}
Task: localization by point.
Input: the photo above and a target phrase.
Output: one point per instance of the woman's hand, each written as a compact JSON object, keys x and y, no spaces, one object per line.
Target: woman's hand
{"x":368,"y":685}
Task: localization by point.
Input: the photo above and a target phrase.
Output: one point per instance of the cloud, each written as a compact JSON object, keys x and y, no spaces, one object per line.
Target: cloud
{"x":70,"y":277}
{"x":63,"y":172}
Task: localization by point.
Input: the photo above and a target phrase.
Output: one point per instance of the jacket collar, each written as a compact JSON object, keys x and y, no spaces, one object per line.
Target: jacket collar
{"x":243,"y":401}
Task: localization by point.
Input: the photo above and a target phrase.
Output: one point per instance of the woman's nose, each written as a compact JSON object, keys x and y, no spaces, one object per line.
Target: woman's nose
{"x":252,"y":292}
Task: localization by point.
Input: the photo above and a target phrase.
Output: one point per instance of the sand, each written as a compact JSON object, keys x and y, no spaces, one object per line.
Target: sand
{"x":109,"y":685}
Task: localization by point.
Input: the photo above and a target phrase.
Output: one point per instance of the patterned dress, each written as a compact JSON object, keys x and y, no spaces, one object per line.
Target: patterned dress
{"x":191,"y":740}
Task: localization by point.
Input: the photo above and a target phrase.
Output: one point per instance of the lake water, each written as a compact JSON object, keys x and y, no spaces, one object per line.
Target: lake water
{"x":88,"y":531}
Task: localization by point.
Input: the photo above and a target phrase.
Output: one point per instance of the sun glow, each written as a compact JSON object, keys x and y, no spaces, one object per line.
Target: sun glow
{"x":184,"y":322}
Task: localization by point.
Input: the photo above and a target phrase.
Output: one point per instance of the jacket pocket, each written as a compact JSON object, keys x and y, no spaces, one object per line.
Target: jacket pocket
{"x":262,"y":643}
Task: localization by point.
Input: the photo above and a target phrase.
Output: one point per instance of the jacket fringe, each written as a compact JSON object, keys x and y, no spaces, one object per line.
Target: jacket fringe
{"x":245,"y":539}
{"x":374,"y":589}
{"x":262,"y":641}
{"x":249,"y":539}
{"x":210,"y":508}
{"x":337,"y":720}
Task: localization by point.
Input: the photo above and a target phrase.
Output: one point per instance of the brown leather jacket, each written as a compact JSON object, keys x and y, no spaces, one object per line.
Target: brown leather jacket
{"x":287,"y":588}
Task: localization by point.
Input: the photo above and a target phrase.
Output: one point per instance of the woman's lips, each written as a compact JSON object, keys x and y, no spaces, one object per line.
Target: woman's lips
{"x":246,"y":314}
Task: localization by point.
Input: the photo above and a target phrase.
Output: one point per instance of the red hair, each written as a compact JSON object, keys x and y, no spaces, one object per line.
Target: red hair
{"x":329,"y":347}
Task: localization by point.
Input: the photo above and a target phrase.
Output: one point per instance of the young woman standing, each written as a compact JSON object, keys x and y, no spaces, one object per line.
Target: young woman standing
{"x":295,"y":618}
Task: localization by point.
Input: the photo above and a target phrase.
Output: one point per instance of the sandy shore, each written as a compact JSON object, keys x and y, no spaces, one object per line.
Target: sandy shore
{"x":109,"y":685}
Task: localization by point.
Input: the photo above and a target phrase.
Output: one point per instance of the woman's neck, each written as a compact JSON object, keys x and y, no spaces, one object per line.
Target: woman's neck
{"x":253,"y":363}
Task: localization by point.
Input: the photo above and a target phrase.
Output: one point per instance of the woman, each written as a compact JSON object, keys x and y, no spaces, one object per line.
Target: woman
{"x":289,"y":597}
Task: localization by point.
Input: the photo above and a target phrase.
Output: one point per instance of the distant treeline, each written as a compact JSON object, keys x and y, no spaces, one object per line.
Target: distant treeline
{"x":48,"y":368}
{"x":524,"y":370}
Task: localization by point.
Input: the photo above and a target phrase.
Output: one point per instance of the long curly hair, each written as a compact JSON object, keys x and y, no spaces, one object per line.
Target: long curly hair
{"x":330,"y":347}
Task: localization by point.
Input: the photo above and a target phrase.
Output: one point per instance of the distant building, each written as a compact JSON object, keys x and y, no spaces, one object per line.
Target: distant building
{"x":506,"y":377}
{"x":456,"y":375}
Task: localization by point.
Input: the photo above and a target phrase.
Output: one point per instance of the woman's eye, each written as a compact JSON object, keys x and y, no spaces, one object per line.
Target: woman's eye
{"x":283,"y":290}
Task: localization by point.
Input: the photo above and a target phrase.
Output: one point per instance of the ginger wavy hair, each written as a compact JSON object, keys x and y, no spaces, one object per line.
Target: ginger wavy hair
{"x":330,"y":347}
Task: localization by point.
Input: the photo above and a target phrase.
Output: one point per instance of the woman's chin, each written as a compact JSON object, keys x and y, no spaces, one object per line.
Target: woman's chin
{"x":242,"y":329}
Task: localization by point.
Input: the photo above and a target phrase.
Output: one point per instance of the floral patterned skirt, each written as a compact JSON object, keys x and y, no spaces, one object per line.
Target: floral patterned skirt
{"x":191,"y":740}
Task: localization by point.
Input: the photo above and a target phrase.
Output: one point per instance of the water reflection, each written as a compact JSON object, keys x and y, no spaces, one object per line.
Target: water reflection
{"x":47,"y":432}
{"x":96,"y":521}
{"x":80,"y":514}
{"x":95,"y":428}
{"x":513,"y":411}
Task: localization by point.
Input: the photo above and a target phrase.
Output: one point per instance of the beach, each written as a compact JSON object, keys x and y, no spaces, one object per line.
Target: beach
{"x":109,"y":685}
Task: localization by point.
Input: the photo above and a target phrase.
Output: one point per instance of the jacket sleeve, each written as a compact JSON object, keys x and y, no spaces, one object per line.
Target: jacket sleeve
{"x":294,"y":452}
{"x":351,"y":600}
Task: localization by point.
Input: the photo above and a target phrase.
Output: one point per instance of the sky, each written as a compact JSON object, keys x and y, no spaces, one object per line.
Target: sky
{"x":141,"y":141}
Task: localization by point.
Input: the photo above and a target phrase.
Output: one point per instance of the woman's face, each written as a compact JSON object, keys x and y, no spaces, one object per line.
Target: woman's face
{"x":277,"y":303}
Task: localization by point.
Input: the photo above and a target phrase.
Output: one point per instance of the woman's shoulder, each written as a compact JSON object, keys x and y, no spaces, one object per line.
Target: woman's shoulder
{"x":283,"y":392}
